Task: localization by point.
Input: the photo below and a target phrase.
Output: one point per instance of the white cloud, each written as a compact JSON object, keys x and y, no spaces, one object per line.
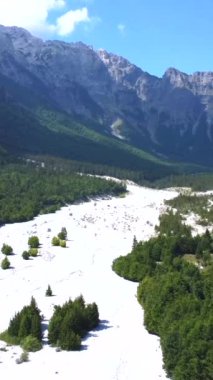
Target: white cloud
{"x":67,"y":22}
{"x":33,"y":15}
{"x":121,"y":28}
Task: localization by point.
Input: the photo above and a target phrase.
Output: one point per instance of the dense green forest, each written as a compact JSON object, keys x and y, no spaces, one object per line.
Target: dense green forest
{"x":177,"y":295}
{"x":27,"y":190}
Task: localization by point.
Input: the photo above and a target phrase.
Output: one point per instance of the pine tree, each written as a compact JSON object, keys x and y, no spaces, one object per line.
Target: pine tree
{"x":48,"y":292}
{"x":25,"y":325}
{"x":135,"y":243}
{"x":5,"y":264}
{"x":92,"y":315}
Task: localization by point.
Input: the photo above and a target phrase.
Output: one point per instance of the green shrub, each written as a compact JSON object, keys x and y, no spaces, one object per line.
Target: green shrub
{"x":31,"y":344}
{"x":63,"y":243}
{"x":5,"y":264}
{"x":33,"y":252}
{"x":7,"y":249}
{"x":25,"y":255}
{"x":55,"y":241}
{"x":33,"y":241}
{"x":62,"y":235}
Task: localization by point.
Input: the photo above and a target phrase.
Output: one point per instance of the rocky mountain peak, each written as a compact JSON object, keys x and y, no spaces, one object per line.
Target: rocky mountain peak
{"x":20,"y":38}
{"x":120,"y":69}
{"x":168,"y":115}
{"x":176,"y":78}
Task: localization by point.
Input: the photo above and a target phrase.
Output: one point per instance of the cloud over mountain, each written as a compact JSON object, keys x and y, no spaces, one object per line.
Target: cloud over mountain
{"x":35,"y":16}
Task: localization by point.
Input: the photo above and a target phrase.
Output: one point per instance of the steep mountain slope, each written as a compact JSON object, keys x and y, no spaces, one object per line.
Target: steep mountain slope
{"x":176,"y":110}
{"x":170,"y":116}
{"x":31,"y":126}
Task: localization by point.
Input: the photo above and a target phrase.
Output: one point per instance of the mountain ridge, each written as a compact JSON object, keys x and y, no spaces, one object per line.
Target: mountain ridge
{"x":170,"y":117}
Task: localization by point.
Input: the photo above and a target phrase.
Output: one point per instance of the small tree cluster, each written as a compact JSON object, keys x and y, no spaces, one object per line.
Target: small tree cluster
{"x":60,"y":239}
{"x":26,"y":323}
{"x":33,"y":243}
{"x":62,"y":235}
{"x":71,"y":322}
{"x":32,"y":252}
{"x":7,"y":249}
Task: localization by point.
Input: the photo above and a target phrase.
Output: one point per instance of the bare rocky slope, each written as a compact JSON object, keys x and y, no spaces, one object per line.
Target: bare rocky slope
{"x":170,"y":116}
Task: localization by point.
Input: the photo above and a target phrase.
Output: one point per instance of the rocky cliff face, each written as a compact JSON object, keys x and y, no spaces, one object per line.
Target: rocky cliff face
{"x":171,"y":116}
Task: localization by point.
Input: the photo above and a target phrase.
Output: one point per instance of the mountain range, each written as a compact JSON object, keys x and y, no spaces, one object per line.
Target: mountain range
{"x":69,"y":100}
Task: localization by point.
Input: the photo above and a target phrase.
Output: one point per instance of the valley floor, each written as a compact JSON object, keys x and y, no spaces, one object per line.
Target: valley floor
{"x":98,"y":232}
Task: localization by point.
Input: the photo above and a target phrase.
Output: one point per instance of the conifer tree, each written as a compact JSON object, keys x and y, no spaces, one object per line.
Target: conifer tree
{"x":135,"y":243}
{"x":48,"y":292}
{"x":5,"y":264}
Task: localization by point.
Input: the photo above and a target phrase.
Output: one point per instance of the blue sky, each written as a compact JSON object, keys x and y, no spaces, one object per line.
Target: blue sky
{"x":153,"y":34}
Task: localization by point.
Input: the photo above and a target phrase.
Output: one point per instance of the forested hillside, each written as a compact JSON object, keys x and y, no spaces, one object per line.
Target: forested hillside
{"x":176,"y":295}
{"x":33,"y":124}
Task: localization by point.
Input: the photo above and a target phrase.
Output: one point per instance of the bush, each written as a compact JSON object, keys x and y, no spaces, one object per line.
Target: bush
{"x":33,"y":241}
{"x":25,"y":255}
{"x":63,"y":243}
{"x":55,"y":241}
{"x":63,"y":234}
{"x":5,"y":264}
{"x":33,"y":252}
{"x":31,"y":344}
{"x":24,"y":357}
{"x":49,"y":292}
{"x":7,"y":249}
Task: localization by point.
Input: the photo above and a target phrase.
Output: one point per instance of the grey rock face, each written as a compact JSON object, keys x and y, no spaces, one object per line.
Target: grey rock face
{"x":172,"y":115}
